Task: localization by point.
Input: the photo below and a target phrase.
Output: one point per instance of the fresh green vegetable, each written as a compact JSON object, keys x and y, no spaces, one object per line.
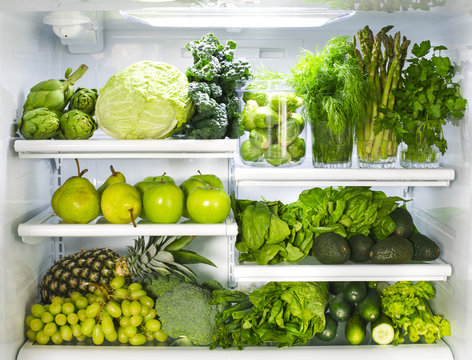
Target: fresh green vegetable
{"x":286,"y":313}
{"x":330,"y":330}
{"x":186,"y":312}
{"x":38,"y":124}
{"x":146,"y":100}
{"x":428,"y":98}
{"x":76,"y":125}
{"x":249,"y":151}
{"x":248,"y":115}
{"x":382,"y":330}
{"x":407,"y":305}
{"x":277,"y":154}
{"x":340,"y":309}
{"x":213,"y":79}
{"x":297,"y":149}
{"x":334,"y":93}
{"x":84,"y":99}
{"x":53,"y":94}
{"x":336,"y":287}
{"x":381,"y":59}
{"x":260,"y":138}
{"x":354,"y":291}
{"x":355,"y":329}
{"x":156,"y":285}
{"x":369,"y":307}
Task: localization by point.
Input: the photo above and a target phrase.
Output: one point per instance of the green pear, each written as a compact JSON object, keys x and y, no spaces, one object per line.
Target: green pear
{"x":76,"y":201}
{"x":212,"y":180}
{"x":115,"y":177}
{"x":121,"y":203}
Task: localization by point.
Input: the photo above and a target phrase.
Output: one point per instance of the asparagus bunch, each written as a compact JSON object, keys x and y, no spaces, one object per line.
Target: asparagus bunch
{"x":381,"y":59}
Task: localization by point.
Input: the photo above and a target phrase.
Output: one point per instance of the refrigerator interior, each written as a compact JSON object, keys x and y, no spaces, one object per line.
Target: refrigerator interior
{"x":31,"y":52}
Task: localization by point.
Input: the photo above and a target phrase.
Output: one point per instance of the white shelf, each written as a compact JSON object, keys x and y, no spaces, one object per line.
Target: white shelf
{"x":247,"y":176}
{"x":431,"y":271}
{"x":46,"y":224}
{"x":438,"y":351}
{"x":123,"y":149}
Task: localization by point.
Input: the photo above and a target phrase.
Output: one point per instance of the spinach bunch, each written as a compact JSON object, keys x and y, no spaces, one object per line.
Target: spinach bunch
{"x":213,"y":80}
{"x":285,"y":313}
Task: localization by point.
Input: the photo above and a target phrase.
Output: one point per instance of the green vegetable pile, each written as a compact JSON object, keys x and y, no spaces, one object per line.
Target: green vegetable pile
{"x":407,"y":305}
{"x":213,"y":79}
{"x":272,"y":232}
{"x":285,"y":313}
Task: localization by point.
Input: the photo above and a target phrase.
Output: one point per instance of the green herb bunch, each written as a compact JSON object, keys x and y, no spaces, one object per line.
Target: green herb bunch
{"x":428,"y":98}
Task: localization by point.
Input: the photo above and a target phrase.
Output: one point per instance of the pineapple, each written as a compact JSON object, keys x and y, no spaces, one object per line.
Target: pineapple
{"x":84,"y":270}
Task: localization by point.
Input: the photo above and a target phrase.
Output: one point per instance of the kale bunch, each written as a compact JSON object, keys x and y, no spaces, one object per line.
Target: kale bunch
{"x":213,"y":80}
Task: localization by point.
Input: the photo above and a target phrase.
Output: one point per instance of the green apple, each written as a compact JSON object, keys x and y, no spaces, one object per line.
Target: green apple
{"x":208,"y":205}
{"x":187,"y":186}
{"x":161,"y":179}
{"x":163,"y":203}
{"x":121,"y":203}
{"x":212,"y":180}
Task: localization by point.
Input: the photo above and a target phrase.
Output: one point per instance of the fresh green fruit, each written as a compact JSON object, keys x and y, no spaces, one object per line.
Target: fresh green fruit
{"x":164,"y":203}
{"x":369,"y":307}
{"x":330,"y":330}
{"x":208,"y":205}
{"x":354,"y":291}
{"x":331,"y":248}
{"x":424,"y":249}
{"x":340,"y":309}
{"x":187,"y":186}
{"x":403,"y":220}
{"x":160,"y":179}
{"x":77,"y":200}
{"x":360,"y":247}
{"x":392,"y":251}
{"x":115,"y":177}
{"x":121,"y":203}
{"x":355,"y":329}
{"x":212,"y":180}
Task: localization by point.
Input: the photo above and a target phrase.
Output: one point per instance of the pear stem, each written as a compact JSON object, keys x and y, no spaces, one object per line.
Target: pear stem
{"x":113,"y":172}
{"x":132,"y":217}
{"x":81,"y":173}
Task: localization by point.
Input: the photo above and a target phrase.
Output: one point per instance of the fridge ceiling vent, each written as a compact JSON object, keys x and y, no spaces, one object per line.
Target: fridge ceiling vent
{"x":232,"y":17}
{"x":81,"y":32}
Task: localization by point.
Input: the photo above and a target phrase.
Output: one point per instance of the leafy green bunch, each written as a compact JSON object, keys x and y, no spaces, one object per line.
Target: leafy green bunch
{"x":429,"y":98}
{"x":285,"y":313}
{"x":213,"y":79}
{"x":407,"y":305}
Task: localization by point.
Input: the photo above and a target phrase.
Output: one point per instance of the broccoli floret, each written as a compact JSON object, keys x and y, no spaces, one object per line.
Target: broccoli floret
{"x":155,"y":286}
{"x":185,"y":312}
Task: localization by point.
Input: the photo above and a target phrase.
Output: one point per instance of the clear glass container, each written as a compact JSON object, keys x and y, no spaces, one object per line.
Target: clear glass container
{"x":425,"y":157}
{"x":274,"y":128}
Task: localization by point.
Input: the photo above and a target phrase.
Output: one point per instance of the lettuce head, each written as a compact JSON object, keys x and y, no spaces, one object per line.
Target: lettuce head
{"x":146,"y":100}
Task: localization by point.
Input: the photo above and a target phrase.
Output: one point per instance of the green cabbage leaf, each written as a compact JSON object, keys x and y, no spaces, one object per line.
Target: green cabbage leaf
{"x":146,"y":100}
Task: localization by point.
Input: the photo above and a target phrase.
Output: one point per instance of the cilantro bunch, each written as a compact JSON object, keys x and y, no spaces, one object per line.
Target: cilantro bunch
{"x":213,"y":80}
{"x":407,"y":305}
{"x":428,"y":99}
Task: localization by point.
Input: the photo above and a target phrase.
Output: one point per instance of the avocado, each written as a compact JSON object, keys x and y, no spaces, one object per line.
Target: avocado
{"x":360,"y":247}
{"x":331,"y":248}
{"x":424,"y":249}
{"x":392,"y":251}
{"x":402,"y":218}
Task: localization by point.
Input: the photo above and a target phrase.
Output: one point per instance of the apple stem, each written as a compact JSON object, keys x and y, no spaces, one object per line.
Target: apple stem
{"x":198,"y":171}
{"x":132,"y":217}
{"x":81,"y":173}
{"x":113,"y":172}
{"x":162,"y":177}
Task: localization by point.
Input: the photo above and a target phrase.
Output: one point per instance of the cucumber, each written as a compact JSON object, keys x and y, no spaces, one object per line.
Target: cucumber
{"x":336,"y":287}
{"x":369,"y":307}
{"x":340,"y":309}
{"x":355,"y":329}
{"x":354,"y":291}
{"x":330,"y":330}
{"x":382,"y":330}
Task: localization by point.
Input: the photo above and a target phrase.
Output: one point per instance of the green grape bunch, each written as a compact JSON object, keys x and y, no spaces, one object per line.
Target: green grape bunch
{"x":113,"y":313}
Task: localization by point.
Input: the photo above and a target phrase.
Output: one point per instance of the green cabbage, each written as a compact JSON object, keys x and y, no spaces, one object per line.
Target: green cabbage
{"x":146,"y":100}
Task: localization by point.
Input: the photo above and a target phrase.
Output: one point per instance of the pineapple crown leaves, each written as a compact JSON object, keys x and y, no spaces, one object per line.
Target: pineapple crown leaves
{"x":163,"y":255}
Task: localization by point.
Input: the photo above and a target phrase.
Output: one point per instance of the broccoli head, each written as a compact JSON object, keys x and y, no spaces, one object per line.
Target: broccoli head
{"x":185,"y":312}
{"x":156,"y":285}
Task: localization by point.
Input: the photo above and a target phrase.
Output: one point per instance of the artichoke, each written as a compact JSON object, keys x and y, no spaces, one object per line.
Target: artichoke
{"x":84,"y":99}
{"x":39,"y":124}
{"x":53,"y":94}
{"x":76,"y":125}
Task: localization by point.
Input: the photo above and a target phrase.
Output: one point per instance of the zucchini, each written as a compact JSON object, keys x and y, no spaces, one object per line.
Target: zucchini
{"x":339,"y":308}
{"x":355,"y":329}
{"x":354,"y":291}
{"x":336,"y":287}
{"x":369,"y":307}
{"x":330,"y":330}
{"x":382,"y":330}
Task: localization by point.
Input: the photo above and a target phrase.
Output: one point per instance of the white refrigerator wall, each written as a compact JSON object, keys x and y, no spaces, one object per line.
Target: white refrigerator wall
{"x":31,"y":53}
